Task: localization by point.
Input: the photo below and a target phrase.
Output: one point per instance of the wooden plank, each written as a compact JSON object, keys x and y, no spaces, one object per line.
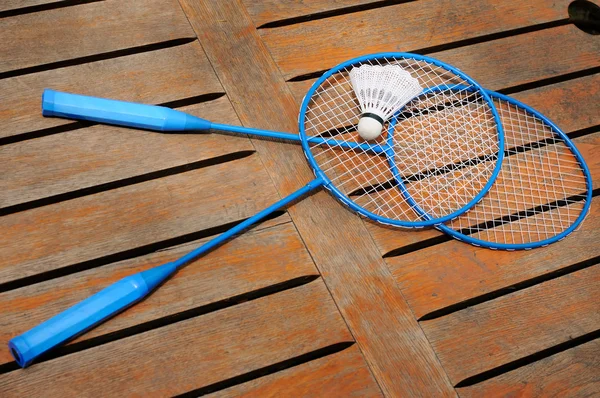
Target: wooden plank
{"x":265,"y":11}
{"x":240,"y":266}
{"x":16,"y":4}
{"x":515,"y":60}
{"x":199,"y":351}
{"x":481,"y":338}
{"x":354,"y":272}
{"x":572,"y":373}
{"x":66,"y":233}
{"x":579,"y":112}
{"x":88,"y":29}
{"x":151,"y":77}
{"x":341,"y":374}
{"x":447,"y":274}
{"x":318,"y":45}
{"x":102,"y":154}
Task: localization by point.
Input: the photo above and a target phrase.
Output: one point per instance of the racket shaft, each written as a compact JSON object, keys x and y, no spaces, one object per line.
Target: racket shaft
{"x":121,"y":113}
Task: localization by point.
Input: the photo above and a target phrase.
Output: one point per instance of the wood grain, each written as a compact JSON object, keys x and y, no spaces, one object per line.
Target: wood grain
{"x":264,"y":11}
{"x":354,"y":272}
{"x":93,"y":226}
{"x":571,"y":105}
{"x":342,"y":374}
{"x":572,"y":373}
{"x":16,"y":4}
{"x":152,"y":77}
{"x":515,"y":60}
{"x":239,"y":267}
{"x":88,"y":29}
{"x":500,"y":331}
{"x":321,"y":44}
{"x":199,"y":351}
{"x":447,"y":274}
{"x":102,"y":154}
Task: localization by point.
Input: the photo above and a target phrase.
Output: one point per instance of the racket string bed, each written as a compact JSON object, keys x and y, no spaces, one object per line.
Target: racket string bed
{"x":463,"y":132}
{"x":542,"y":191}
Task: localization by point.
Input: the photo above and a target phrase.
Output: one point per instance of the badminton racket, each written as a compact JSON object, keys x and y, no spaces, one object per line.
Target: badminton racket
{"x":435,"y":130}
{"x":543,"y":191}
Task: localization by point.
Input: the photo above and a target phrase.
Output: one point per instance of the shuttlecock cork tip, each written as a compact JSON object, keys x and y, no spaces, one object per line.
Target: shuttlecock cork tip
{"x":381,"y":91}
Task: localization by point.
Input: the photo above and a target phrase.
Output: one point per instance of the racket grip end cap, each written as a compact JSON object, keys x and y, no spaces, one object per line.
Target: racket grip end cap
{"x":48,"y":102}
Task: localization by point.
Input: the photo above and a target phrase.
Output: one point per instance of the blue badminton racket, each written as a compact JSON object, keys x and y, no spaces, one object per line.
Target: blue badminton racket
{"x":543,"y":191}
{"x":433,"y":130}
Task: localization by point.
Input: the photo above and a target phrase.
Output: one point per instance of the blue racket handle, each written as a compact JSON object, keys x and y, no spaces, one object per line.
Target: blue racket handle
{"x":121,"y":113}
{"x":86,"y":314}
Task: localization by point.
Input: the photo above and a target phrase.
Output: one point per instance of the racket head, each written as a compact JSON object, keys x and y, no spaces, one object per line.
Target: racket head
{"x":543,"y":191}
{"x":330,"y":109}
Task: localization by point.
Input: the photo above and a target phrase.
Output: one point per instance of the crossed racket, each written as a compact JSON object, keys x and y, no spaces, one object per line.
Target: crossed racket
{"x":437,"y":158}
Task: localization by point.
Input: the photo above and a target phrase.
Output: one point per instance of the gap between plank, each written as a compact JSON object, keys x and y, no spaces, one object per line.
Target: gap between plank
{"x":44,"y":7}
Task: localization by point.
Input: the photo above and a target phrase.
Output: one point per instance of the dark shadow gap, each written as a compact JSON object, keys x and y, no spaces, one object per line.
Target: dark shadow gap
{"x":550,"y":81}
{"x":44,"y":7}
{"x":124,"y":182}
{"x":97,"y":57}
{"x":268,"y":370}
{"x":529,"y":359}
{"x":458,"y":44}
{"x":167,"y":320}
{"x":331,"y":13}
{"x":510,"y":289}
{"x":82,"y":124}
{"x":129,"y":254}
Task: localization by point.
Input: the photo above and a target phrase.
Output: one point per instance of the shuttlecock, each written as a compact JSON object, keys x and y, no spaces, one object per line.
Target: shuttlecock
{"x":381,"y":92}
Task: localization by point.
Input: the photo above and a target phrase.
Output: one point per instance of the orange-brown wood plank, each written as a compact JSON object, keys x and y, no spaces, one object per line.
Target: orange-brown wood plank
{"x":151,"y":77}
{"x":272,"y":253}
{"x":6,"y":5}
{"x":481,"y":338}
{"x":391,"y":340}
{"x":192,"y":353}
{"x":515,"y":60}
{"x":263,"y":12}
{"x":579,"y":112}
{"x":73,"y":32}
{"x":343,"y":374}
{"x":321,"y":44}
{"x":102,"y":154}
{"x":449,"y":273}
{"x":66,"y":233}
{"x":571,"y":373}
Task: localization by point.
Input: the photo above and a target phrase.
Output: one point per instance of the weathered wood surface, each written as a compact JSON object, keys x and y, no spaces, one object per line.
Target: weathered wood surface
{"x":153,"y":77}
{"x":500,"y":331}
{"x":343,"y":374}
{"x":192,"y":353}
{"x":88,"y":29}
{"x":319,"y":45}
{"x":572,"y":373}
{"x":239,"y":267}
{"x":355,"y":274}
{"x":443,"y":275}
{"x":71,"y":232}
{"x":17,"y":4}
{"x":263,"y":12}
{"x":102,"y":154}
{"x":516,"y":60}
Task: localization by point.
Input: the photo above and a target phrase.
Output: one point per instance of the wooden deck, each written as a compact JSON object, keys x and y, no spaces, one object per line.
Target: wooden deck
{"x":314,"y":301}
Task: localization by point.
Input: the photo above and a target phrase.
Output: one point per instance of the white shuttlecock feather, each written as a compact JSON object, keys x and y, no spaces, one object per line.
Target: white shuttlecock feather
{"x":381,"y":92}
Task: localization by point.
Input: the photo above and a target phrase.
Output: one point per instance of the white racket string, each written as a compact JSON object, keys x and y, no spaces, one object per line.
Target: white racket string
{"x":540,"y":190}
